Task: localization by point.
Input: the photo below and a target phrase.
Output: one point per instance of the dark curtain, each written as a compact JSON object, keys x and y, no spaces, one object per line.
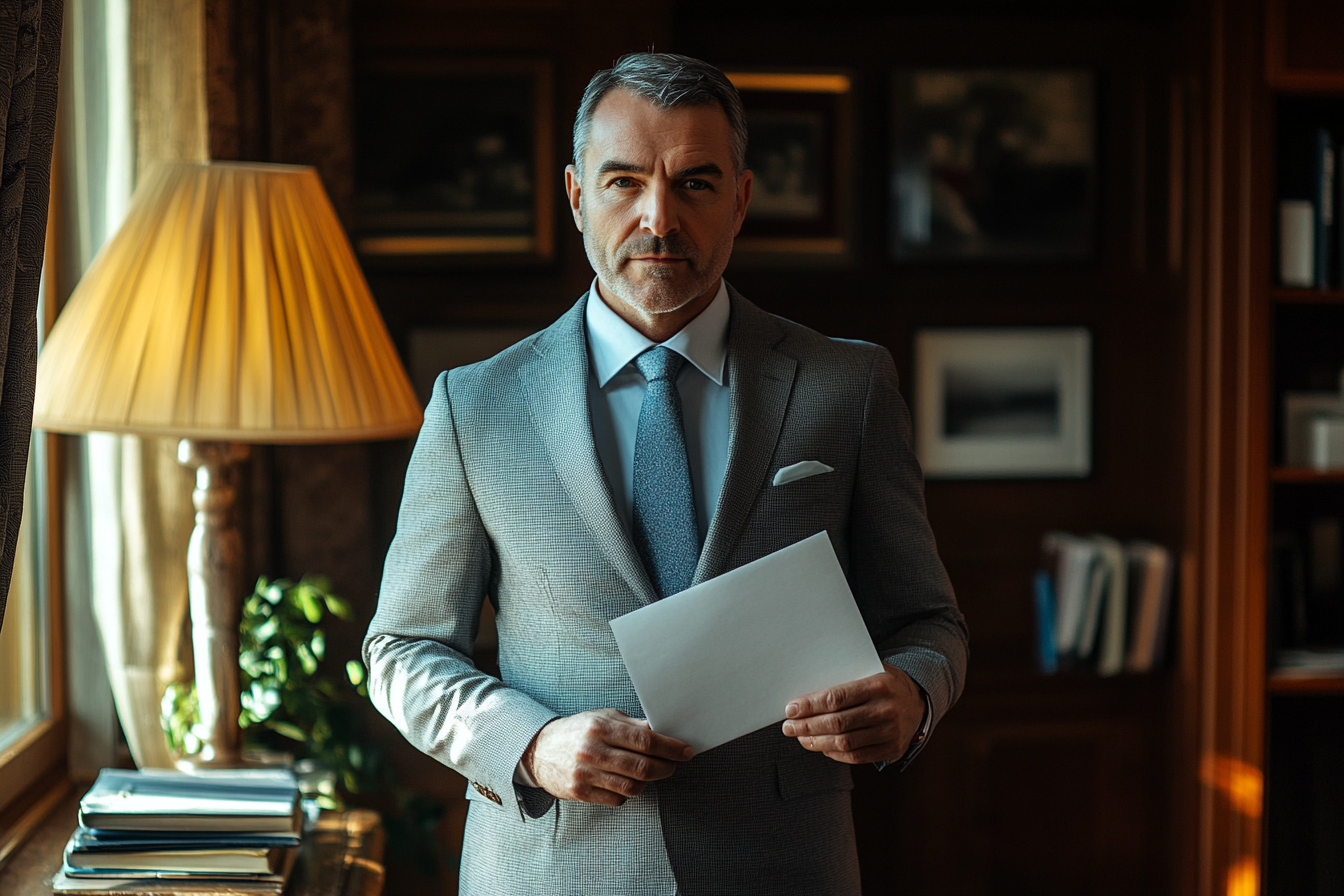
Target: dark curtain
{"x":30,"y":56}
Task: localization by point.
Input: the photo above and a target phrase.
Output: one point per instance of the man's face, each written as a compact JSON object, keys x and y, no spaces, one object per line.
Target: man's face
{"x":659,"y":203}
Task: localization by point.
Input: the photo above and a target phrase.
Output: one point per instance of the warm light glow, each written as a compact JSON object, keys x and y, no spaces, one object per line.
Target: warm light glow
{"x":794,"y":83}
{"x":1242,"y":784}
{"x":229,"y":306}
{"x":1243,"y":878}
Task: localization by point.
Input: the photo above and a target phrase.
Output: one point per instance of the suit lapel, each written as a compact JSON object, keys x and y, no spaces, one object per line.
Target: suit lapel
{"x":760,"y":379}
{"x":555,"y":380}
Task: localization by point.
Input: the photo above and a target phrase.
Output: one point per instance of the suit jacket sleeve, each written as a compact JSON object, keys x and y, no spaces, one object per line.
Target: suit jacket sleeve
{"x":419,"y":646}
{"x":897,"y":575}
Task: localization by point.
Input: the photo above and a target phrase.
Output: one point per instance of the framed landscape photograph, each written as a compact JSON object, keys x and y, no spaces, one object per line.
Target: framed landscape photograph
{"x":994,"y":165}
{"x":800,"y":153}
{"x":1003,"y":403}
{"x":453,"y":159}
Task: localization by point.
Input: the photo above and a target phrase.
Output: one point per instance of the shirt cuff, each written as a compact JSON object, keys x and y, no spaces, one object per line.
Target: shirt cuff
{"x":522,"y":776}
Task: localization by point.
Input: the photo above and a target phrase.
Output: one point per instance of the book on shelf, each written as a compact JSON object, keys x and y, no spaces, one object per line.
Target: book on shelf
{"x":1072,"y":558}
{"x":1111,"y":603}
{"x":148,"y":852}
{"x":171,"y":861}
{"x":1306,"y":579}
{"x":247,"y":800}
{"x":1043,"y":591}
{"x":1302,"y":411}
{"x":1324,"y":203}
{"x":1151,"y":567}
{"x":1319,"y":662}
{"x":1111,"y":658}
{"x":1311,"y":242}
{"x":71,"y":885}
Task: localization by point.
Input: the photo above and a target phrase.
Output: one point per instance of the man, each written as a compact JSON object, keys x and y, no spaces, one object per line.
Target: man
{"x":652,"y":438}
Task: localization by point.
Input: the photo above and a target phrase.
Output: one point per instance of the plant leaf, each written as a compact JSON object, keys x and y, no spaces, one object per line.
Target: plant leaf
{"x":287,"y":729}
{"x":354,"y":670}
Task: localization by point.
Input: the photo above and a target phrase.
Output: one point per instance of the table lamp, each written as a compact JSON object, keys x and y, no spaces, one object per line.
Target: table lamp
{"x":227,"y":310}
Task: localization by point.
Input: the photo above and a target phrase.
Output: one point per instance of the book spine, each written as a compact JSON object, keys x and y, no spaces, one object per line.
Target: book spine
{"x":1337,"y":210}
{"x":1046,"y":656}
{"x":1296,"y":249}
{"x":1325,"y":207}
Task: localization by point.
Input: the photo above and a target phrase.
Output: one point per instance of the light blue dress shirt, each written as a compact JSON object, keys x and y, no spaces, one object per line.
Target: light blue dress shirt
{"x":616,"y":392}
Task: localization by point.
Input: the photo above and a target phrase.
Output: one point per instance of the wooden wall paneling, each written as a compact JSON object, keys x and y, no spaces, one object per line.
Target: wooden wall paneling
{"x":236,"y":80}
{"x":1035,"y":788}
{"x":1230,"y":398}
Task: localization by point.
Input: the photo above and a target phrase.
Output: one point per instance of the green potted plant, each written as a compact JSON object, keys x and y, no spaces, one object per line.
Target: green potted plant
{"x":295,"y":701}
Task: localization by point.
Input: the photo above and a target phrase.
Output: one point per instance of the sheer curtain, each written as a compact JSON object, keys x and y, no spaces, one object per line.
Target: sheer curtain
{"x":135,"y":94}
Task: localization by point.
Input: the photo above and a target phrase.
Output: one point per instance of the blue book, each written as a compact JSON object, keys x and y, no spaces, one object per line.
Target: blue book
{"x":1046,"y":656}
{"x":90,"y":840}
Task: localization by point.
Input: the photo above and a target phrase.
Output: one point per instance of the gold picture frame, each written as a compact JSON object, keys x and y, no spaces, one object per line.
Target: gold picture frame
{"x":800,"y":151}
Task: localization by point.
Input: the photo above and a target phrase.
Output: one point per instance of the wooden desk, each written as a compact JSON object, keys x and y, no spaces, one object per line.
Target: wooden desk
{"x":342,"y":856}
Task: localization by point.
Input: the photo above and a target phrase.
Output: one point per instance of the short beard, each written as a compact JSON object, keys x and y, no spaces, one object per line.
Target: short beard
{"x":660,"y":293}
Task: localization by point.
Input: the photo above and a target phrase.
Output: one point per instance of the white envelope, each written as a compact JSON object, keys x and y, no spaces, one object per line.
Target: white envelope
{"x":724,"y":658}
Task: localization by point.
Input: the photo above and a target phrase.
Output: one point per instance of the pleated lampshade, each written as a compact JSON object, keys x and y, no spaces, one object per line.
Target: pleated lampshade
{"x":228,"y":307}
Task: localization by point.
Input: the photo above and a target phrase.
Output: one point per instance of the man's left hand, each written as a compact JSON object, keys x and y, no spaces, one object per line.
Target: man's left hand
{"x":869,"y":720}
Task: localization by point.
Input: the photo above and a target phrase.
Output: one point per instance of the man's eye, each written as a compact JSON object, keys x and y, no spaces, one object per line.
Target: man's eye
{"x":623,"y":183}
{"x":698,"y":185}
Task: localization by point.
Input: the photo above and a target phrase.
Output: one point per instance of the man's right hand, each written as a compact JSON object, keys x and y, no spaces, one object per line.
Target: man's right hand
{"x":600,"y":756}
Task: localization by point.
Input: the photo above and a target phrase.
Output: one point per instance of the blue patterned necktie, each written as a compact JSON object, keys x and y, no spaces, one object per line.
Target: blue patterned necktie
{"x":665,"y":530}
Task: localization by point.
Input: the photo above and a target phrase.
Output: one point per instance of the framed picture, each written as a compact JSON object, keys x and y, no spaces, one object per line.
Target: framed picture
{"x":453,"y":159}
{"x":993,"y":165}
{"x":1003,"y":403}
{"x":800,"y":153}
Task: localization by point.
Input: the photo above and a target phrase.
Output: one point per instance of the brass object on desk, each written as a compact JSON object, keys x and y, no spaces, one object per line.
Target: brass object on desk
{"x":342,"y":855}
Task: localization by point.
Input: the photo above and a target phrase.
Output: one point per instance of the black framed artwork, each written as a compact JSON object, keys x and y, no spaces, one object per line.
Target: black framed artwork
{"x":800,"y":153}
{"x":993,"y":165}
{"x":453,"y":159}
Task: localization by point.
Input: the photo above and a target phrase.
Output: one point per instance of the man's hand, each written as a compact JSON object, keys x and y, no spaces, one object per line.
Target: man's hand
{"x":869,"y":720}
{"x":601,"y":756}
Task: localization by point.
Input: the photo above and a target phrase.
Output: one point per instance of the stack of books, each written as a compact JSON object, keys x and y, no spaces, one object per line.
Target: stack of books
{"x":150,"y":831}
{"x":1102,"y":605}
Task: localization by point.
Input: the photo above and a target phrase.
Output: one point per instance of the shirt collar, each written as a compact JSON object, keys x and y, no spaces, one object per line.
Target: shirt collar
{"x":613,"y":343}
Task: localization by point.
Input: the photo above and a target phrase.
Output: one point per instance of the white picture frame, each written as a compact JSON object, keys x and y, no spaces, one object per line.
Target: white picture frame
{"x":1003,"y":402}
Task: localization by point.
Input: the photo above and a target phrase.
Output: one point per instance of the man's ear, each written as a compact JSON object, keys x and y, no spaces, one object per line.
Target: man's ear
{"x":743,"y":197}
{"x":573,"y":189}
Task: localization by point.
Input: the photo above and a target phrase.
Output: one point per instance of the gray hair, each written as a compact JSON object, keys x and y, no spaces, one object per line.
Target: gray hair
{"x":669,"y":81}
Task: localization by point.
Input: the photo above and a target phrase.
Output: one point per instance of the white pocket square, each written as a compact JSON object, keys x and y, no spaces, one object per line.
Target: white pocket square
{"x":800,"y":470}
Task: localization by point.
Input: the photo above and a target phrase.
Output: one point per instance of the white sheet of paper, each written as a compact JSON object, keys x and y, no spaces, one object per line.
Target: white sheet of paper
{"x":724,"y":658}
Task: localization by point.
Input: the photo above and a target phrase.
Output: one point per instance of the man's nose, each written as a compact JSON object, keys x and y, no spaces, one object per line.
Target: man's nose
{"x":658,"y":213}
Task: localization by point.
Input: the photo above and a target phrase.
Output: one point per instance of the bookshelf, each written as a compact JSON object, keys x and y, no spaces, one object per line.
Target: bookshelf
{"x":1303,"y":517}
{"x":1266,"y":751}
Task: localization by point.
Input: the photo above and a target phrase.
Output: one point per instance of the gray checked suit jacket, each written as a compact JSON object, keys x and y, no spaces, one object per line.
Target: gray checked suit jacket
{"x":505,"y":498}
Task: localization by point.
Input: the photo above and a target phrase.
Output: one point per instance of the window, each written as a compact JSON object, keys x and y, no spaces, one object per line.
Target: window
{"x":25,"y":657}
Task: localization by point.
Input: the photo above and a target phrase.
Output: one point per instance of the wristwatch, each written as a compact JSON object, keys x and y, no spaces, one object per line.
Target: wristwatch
{"x":921,"y":735}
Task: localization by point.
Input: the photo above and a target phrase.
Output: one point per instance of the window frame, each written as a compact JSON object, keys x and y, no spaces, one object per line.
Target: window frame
{"x":34,"y":771}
